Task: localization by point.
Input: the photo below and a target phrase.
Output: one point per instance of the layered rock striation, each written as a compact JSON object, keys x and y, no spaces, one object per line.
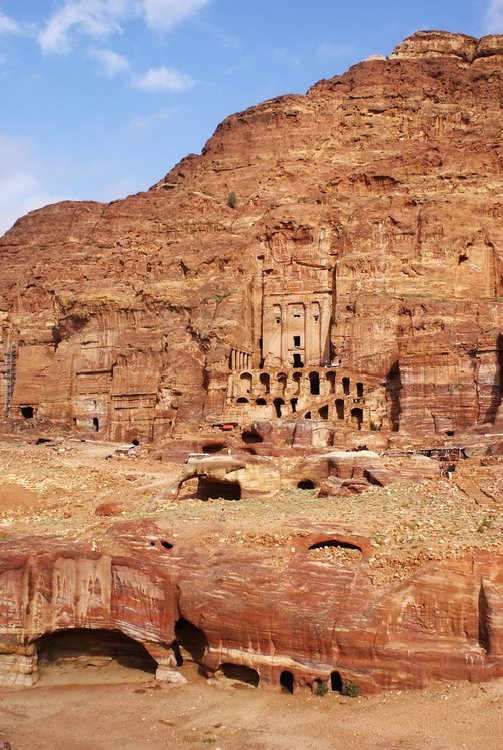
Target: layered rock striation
{"x":275,"y":613}
{"x":358,"y":226}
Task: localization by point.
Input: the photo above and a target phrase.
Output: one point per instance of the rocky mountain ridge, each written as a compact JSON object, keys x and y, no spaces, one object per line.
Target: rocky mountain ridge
{"x":120,"y":318}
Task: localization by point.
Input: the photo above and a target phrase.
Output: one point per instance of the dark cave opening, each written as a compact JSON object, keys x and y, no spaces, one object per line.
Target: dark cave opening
{"x":210,"y":489}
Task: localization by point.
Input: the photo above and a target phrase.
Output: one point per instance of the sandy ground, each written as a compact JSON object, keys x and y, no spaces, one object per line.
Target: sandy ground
{"x":57,"y":491}
{"x":127,"y":716}
{"x":48,"y":490}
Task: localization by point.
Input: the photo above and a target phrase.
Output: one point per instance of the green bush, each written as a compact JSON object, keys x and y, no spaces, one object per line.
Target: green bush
{"x":350,"y":689}
{"x":232,"y":199}
{"x":321,"y":688}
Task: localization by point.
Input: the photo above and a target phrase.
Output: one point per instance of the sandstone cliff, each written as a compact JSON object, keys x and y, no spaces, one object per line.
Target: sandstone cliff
{"x":235,"y":606}
{"x":374,"y":201}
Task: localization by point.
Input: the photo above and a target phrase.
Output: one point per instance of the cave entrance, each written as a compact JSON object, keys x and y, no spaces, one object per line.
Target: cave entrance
{"x":190,"y":642}
{"x":339,"y":408}
{"x":27,"y":412}
{"x":286,"y":681}
{"x":357,"y":418}
{"x":335,"y":543}
{"x":96,"y":424}
{"x":240,"y":673}
{"x":210,"y":489}
{"x":335,"y":682}
{"x":210,"y":448}
{"x":306,"y":484}
{"x":314,"y":383}
{"x":88,"y":656}
{"x":278,"y":403}
{"x":250,"y":437}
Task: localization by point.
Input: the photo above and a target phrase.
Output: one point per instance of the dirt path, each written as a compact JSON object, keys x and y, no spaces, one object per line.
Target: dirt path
{"x":140,"y":716}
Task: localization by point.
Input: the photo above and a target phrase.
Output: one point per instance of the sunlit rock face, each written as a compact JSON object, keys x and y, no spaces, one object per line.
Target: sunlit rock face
{"x":356,"y":228}
{"x":265,"y":608}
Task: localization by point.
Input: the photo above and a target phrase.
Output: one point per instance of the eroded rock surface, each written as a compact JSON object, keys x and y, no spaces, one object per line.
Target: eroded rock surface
{"x":358,"y":280}
{"x":269,"y":613}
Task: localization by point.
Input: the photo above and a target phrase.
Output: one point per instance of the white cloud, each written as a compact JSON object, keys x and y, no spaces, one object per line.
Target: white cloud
{"x":95,"y":18}
{"x":165,"y":14}
{"x":111,"y":62}
{"x":163,"y":79}
{"x":141,"y":124}
{"x":9,"y":25}
{"x":494,"y":17}
{"x":99,"y":19}
{"x":21,"y":188}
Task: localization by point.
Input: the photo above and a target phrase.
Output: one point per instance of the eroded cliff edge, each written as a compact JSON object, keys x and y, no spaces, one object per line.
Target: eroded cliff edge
{"x":380,"y":189}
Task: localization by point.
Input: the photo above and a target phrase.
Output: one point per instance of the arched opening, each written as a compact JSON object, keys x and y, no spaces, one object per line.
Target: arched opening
{"x":339,"y":408}
{"x":190,"y":644}
{"x":135,"y":442}
{"x":278,"y":403}
{"x":393,"y":388}
{"x":323,"y":412}
{"x":249,"y":437}
{"x":357,"y":418}
{"x":92,"y":656}
{"x":297,"y":360}
{"x":314,"y":383}
{"x":27,"y":412}
{"x":261,"y":402}
{"x":240,"y":673}
{"x":282,"y":380}
{"x":335,"y":682}
{"x":245,"y":381}
{"x":96,"y":424}
{"x":297,"y":377}
{"x":359,"y":390}
{"x":335,"y":543}
{"x":306,"y":484}
{"x":210,"y":489}
{"x":293,"y":404}
{"x":211,"y":448}
{"x":330,"y":376}
{"x":345,"y":386}
{"x":242,"y":400}
{"x":265,"y":381}
{"x":307,"y":415}
{"x":286,"y":681}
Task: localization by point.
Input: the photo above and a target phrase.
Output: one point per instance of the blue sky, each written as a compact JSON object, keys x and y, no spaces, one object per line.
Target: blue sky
{"x":100,"y":98}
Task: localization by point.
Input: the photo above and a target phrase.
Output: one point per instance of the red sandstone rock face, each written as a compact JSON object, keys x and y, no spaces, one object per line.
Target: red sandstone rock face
{"x":376,"y":196}
{"x":266,"y":611}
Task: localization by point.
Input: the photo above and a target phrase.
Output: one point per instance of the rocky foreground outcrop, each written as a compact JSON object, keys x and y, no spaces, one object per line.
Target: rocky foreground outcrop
{"x":385,"y":182}
{"x":272,"y":611}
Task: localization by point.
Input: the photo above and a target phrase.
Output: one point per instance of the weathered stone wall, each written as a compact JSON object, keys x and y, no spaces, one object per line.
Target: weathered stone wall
{"x":271,"y":614}
{"x":373,"y":202}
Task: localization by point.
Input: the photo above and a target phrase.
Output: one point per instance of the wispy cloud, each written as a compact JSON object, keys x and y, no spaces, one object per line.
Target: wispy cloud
{"x":21,"y":187}
{"x":163,"y":79}
{"x":9,"y":25}
{"x":99,"y":19}
{"x":144,"y":123}
{"x":163,"y":15}
{"x":111,"y":62}
{"x":494,"y":17}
